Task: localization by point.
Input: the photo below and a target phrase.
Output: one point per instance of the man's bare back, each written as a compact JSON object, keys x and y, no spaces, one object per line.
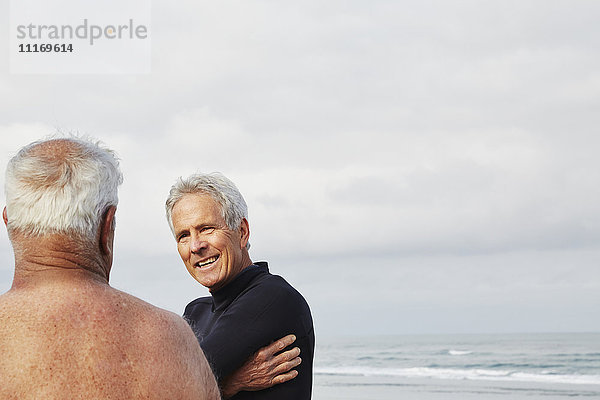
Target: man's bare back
{"x":64,"y":332}
{"x":86,"y":340}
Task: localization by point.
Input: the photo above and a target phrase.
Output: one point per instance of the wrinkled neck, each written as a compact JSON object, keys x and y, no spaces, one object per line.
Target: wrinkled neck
{"x":43,"y":259}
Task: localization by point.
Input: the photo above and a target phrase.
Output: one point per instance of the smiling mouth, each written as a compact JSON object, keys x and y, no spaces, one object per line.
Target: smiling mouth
{"x":208,"y":261}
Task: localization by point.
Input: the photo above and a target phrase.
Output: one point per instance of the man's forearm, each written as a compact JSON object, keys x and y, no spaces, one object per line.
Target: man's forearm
{"x":266,"y":368}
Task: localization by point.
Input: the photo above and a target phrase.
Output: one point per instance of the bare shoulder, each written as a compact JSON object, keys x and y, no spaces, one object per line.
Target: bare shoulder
{"x":96,"y":333}
{"x":172,"y":354}
{"x":150,"y":320}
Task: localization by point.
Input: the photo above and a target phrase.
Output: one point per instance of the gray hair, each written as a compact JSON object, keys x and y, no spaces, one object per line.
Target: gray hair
{"x":220,"y":188}
{"x":61,"y":185}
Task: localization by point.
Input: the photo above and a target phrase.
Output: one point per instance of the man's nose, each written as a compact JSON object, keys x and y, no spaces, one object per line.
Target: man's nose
{"x":197,"y":245}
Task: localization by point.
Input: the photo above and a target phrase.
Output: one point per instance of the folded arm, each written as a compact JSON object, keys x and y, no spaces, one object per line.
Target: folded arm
{"x":267,"y":367}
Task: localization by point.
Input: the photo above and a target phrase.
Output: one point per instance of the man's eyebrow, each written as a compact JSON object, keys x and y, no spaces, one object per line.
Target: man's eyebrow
{"x":205,"y":225}
{"x":179,"y":232}
{"x":198,"y":227}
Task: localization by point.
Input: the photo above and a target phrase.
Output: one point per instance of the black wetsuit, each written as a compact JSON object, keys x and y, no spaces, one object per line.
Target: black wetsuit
{"x":252,"y":311}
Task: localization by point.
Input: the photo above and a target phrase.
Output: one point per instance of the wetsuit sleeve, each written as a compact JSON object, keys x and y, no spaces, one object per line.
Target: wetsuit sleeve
{"x":255,"y":319}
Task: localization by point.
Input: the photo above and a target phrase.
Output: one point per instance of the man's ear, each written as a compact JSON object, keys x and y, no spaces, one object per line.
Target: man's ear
{"x":244,"y":232}
{"x":5,"y":216}
{"x":107,"y":230}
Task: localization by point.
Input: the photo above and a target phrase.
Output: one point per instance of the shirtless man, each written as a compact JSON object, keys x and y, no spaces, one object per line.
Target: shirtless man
{"x":64,"y":332}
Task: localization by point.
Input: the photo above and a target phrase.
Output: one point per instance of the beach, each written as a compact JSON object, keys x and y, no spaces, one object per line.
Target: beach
{"x":388,"y":388}
{"x":452,"y":367}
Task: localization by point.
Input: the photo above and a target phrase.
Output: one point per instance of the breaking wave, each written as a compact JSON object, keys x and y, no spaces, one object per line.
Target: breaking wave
{"x":463,"y":374}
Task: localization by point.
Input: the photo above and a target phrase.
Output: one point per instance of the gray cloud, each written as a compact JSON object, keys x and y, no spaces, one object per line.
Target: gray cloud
{"x":442,"y":155}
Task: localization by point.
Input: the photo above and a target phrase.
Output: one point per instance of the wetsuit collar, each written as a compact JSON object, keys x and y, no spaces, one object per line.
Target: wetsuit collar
{"x":224,"y":296}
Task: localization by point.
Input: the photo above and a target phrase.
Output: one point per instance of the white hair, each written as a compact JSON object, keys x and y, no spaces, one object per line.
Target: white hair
{"x":220,"y":188}
{"x":61,"y":185}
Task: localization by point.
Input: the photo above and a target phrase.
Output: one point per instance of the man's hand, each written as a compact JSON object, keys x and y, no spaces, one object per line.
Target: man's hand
{"x":264,"y":369}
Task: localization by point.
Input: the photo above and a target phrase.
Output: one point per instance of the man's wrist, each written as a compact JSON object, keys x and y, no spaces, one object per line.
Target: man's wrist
{"x":230,"y":388}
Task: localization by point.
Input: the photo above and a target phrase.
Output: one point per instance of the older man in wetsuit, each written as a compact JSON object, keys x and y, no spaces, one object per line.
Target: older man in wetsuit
{"x":248,"y":307}
{"x":64,"y":332}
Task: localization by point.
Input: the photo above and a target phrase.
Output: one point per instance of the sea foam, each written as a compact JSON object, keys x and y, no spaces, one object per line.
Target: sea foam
{"x":463,"y":374}
{"x":459,"y":352}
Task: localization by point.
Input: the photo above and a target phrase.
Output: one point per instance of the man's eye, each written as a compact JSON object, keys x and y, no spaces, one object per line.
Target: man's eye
{"x":182,"y":237}
{"x":208,"y":229}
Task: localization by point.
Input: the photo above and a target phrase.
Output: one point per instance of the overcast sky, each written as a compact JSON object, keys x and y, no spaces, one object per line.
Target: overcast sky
{"x":409,"y":166}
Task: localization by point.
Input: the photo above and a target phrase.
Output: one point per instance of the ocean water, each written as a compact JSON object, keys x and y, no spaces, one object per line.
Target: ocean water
{"x":428,"y":367}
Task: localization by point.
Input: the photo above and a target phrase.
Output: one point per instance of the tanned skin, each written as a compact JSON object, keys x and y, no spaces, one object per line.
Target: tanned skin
{"x":66,"y":334}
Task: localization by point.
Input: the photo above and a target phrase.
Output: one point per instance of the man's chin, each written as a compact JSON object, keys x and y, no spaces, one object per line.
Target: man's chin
{"x":206,"y":281}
